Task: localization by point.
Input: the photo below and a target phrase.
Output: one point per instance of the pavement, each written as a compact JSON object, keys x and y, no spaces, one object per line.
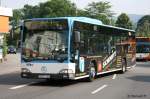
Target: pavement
{"x":134,"y":84}
{"x":11,"y":64}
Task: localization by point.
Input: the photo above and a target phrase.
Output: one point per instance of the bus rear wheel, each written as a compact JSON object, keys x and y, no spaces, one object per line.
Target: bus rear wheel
{"x":124,"y":65}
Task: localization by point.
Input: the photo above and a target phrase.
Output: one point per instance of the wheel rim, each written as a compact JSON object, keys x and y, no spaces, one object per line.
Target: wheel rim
{"x":124,"y":69}
{"x":92,"y":72}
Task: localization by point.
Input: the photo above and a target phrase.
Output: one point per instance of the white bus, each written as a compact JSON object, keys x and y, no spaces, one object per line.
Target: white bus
{"x":74,"y":48}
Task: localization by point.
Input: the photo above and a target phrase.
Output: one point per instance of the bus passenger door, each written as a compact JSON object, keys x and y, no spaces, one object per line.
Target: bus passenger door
{"x":79,"y":60}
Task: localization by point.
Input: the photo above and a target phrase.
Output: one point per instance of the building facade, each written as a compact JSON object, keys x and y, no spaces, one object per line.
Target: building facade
{"x":5,"y":14}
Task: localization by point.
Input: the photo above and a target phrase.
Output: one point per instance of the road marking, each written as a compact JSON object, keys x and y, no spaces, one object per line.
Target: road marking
{"x":114,"y":76}
{"x":99,"y":89}
{"x":21,"y":86}
{"x":133,"y":66}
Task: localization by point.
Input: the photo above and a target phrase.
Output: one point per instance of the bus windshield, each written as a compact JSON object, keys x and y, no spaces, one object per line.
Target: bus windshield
{"x":143,"y":48}
{"x":45,"y":40}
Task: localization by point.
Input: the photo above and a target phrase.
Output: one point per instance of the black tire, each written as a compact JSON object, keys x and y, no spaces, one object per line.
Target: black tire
{"x":92,"y":74}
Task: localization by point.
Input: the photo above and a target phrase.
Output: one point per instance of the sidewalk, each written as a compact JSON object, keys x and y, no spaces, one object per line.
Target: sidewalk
{"x":11,"y":65}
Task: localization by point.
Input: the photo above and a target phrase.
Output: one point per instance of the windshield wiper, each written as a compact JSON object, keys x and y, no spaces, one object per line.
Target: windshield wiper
{"x":61,"y":57}
{"x":27,"y":59}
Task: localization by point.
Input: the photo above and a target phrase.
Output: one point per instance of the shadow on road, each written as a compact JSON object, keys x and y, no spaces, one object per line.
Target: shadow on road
{"x":63,"y":83}
{"x":141,"y":78}
{"x":143,"y":65}
{"x":15,"y":79}
{"x":56,"y":83}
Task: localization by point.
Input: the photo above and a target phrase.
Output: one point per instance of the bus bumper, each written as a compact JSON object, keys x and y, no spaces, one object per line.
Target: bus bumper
{"x":47,"y":76}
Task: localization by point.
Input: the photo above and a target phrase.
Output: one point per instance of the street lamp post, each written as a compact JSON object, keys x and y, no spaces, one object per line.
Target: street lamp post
{"x":0,"y":2}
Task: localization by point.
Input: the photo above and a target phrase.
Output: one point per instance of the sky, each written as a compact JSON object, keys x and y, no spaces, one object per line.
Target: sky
{"x":141,"y":7}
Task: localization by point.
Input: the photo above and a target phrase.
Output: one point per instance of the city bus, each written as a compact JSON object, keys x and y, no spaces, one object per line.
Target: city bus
{"x":143,"y":48}
{"x":74,"y":48}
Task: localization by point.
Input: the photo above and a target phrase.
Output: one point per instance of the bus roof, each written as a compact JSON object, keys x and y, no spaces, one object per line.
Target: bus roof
{"x":141,"y":37}
{"x":114,"y":28}
{"x":87,"y":20}
{"x":81,"y":19}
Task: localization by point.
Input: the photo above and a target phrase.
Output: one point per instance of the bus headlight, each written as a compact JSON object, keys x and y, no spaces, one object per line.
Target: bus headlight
{"x":25,"y":70}
{"x":69,"y":72}
{"x":66,"y":71}
{"x":71,"y":75}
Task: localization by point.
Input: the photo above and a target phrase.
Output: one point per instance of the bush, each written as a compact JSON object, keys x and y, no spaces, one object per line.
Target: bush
{"x":4,"y":46}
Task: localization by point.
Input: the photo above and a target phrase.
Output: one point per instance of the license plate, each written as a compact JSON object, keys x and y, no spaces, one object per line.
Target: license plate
{"x":44,"y":76}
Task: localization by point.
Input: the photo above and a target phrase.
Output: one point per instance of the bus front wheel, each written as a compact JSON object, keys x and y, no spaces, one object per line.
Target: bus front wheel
{"x":92,"y":74}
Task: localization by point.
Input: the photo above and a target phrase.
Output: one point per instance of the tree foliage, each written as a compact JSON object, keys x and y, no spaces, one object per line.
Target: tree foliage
{"x":57,"y":8}
{"x":98,"y":10}
{"x":124,"y":21}
{"x":51,"y":8}
{"x":17,"y":16}
{"x":143,"y":26}
{"x":60,"y":8}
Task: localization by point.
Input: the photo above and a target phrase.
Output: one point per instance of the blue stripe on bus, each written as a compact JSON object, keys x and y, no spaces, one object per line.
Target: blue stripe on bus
{"x":143,"y":43}
{"x":44,"y":61}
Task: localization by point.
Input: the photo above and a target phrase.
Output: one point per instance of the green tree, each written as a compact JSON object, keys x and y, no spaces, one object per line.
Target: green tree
{"x":99,"y":10}
{"x":124,"y":21}
{"x":17,"y":16}
{"x":13,"y":40}
{"x":30,"y":11}
{"x":51,"y":8}
{"x":143,"y":26}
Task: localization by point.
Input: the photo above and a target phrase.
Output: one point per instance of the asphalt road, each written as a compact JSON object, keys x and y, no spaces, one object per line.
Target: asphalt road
{"x":134,"y":84}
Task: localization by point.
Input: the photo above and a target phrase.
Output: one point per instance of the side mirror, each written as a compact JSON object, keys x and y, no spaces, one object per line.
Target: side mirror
{"x":20,"y":31}
{"x":21,"y":28}
{"x":77,"y":36}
